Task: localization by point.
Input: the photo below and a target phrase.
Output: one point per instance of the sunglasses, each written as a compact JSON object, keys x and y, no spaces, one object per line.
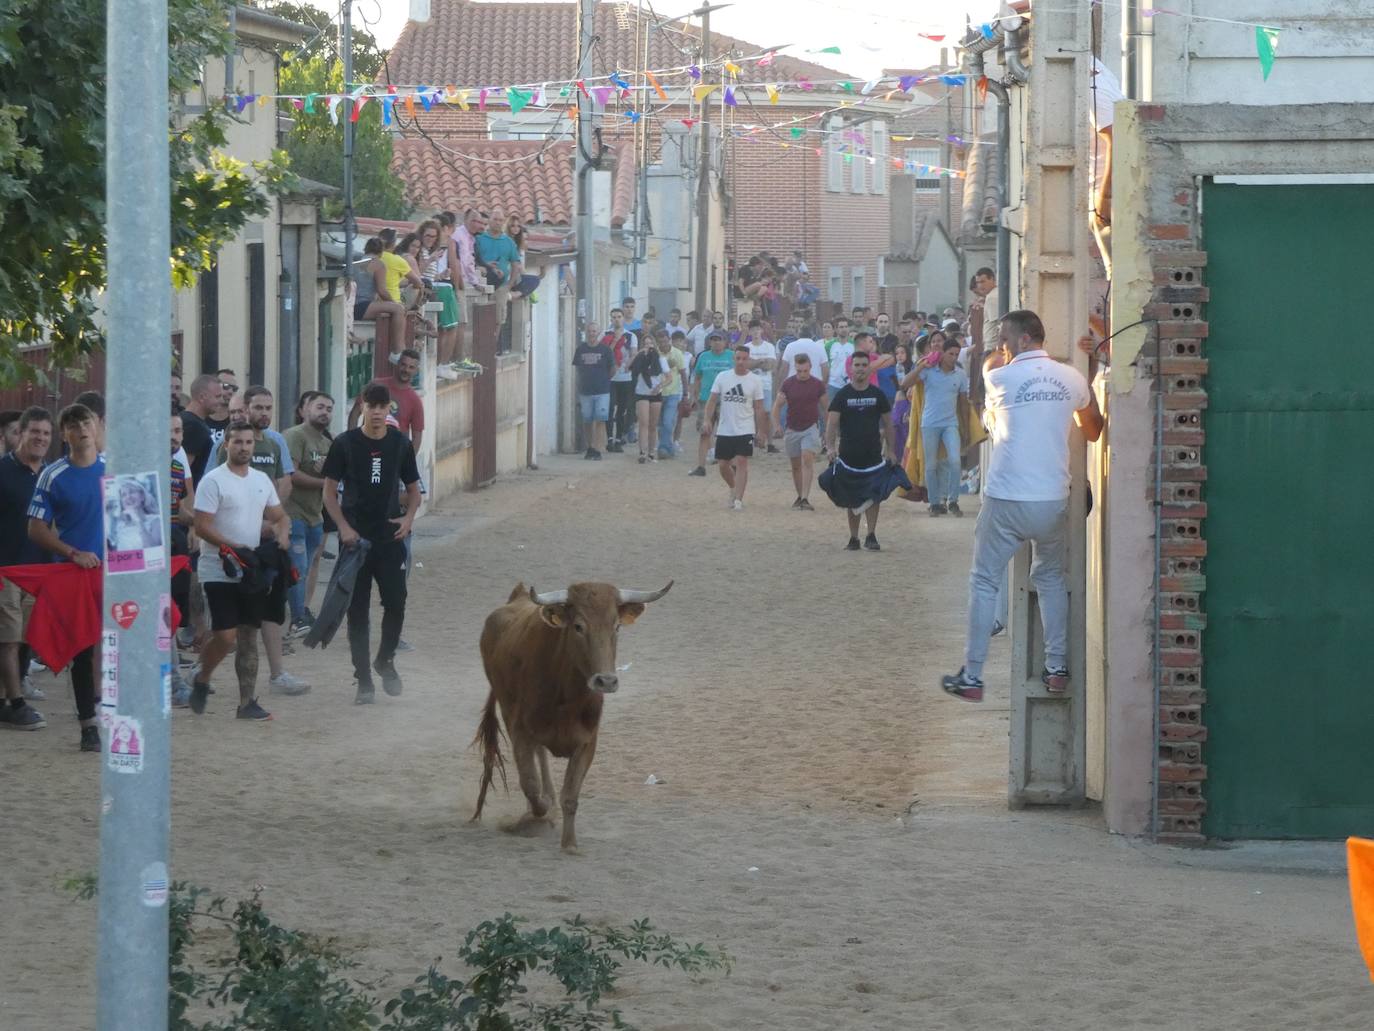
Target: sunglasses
{"x":231,"y":387}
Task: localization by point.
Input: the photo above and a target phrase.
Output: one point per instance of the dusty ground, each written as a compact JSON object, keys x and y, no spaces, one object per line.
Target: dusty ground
{"x":785,"y":691}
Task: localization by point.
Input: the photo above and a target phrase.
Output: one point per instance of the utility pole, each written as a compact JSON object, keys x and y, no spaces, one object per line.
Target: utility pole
{"x":704,"y":166}
{"x":135,"y":700}
{"x":346,"y":52}
{"x":946,"y":151}
{"x":586,"y":27}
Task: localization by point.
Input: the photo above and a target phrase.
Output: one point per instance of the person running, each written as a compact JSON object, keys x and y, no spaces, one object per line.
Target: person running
{"x":799,"y":403}
{"x":594,"y":362}
{"x":738,"y":397}
{"x":308,"y":443}
{"x":650,"y":370}
{"x":233,"y":505}
{"x":861,"y":475}
{"x":945,"y":384}
{"x":709,"y":364}
{"x":1032,"y":403}
{"x":19,"y":471}
{"x":67,"y":519}
{"x":370,"y":464}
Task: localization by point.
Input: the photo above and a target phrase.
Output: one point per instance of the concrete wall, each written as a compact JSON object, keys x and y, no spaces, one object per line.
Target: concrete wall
{"x":939,"y":277}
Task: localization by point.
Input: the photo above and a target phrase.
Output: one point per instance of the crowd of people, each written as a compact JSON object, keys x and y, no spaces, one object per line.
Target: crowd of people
{"x":447,"y":262}
{"x":250,"y":509}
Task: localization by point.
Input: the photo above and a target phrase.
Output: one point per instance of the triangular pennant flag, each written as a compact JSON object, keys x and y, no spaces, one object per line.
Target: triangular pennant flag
{"x":386,"y":109}
{"x":518,"y":99}
{"x":540,"y":98}
{"x":410,"y":104}
{"x":334,"y":103}
{"x":1360,"y":872}
{"x":583,"y":87}
{"x":825,"y":50}
{"x":700,"y":93}
{"x":932,"y":38}
{"x":482,"y":99}
{"x":654,"y":83}
{"x":619,"y":81}
{"x":805,"y":84}
{"x":818,"y":152}
{"x":310,"y":103}
{"x":694,"y":72}
{"x":1267,"y":44}
{"x":733,"y":68}
{"x":952,"y":80}
{"x":358,"y":102}
{"x":244,"y":99}
{"x":848,"y":87}
{"x":298,"y":103}
{"x":772,"y":94}
{"x":601,"y":94}
{"x":730,"y":97}
{"x":767,"y":59}
{"x":633,"y":116}
{"x":565,"y":91}
{"x":982,"y":89}
{"x":689,"y":122}
{"x":906,"y":82}
{"x":263,"y":99}
{"x":797,"y":131}
{"x":869,"y":87}
{"x":463,"y":95}
{"x":988,"y":31}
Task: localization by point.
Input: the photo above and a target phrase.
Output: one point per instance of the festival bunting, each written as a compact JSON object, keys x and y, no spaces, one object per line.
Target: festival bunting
{"x":518,"y":99}
{"x":700,"y":93}
{"x":653,"y":81}
{"x":1267,"y":45}
{"x":772,"y":94}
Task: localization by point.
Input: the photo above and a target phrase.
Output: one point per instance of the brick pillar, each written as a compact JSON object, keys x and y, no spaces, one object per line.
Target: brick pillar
{"x":1179,"y":368}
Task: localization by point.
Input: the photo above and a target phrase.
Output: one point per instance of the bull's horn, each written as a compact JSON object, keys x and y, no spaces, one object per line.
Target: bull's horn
{"x":550,"y":597}
{"x":643,"y":597}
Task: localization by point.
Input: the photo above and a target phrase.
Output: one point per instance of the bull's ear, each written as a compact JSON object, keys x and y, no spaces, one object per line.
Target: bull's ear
{"x":555,"y":616}
{"x":630,"y":611}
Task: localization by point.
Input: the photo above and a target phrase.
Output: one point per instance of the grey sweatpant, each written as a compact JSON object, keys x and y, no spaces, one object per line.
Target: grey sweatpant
{"x":1002,"y":528}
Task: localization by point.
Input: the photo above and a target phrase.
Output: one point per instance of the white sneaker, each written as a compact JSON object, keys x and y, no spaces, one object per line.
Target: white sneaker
{"x":446,"y":372}
{"x":285,"y":683}
{"x":711,"y":455}
{"x":730,"y":503}
{"x":32,"y":692}
{"x":738,"y":505}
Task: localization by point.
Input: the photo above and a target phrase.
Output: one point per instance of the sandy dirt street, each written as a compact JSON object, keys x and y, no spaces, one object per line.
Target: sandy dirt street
{"x":785,"y":691}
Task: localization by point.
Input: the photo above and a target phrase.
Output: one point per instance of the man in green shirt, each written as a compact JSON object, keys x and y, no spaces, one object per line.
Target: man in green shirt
{"x":711,"y":363}
{"x":671,"y":350}
{"x":308,"y":444}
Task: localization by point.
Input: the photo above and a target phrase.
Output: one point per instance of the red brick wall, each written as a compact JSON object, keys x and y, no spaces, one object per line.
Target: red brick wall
{"x":775,"y":201}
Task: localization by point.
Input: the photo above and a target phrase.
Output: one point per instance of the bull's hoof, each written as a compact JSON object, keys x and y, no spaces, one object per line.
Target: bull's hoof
{"x":529,"y":825}
{"x":572,"y":850}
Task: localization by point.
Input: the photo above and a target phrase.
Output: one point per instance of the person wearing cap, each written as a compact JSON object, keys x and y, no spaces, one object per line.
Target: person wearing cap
{"x":711,"y":363}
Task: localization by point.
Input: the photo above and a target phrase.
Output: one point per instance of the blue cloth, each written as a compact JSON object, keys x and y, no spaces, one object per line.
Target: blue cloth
{"x":668,"y":423}
{"x":594,"y":407}
{"x":72,"y":499}
{"x":857,"y":489}
{"x":305,"y":541}
{"x":942,"y":474}
{"x":887,"y":381}
{"x":942,"y":396}
{"x":497,"y":250}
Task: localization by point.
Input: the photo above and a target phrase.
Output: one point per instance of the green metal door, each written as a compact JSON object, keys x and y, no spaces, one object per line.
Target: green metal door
{"x":1288,"y":652}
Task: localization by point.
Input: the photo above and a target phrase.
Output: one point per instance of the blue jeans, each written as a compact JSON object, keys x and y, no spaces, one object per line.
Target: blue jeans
{"x":942,"y":475}
{"x":305,"y":541}
{"x":667,"y":423}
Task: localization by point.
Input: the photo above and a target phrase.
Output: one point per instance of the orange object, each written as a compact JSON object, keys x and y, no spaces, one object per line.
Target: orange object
{"x":1360,"y":852}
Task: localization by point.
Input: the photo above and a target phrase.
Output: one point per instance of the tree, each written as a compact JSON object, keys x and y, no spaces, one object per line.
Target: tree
{"x":315,"y":143}
{"x":367,"y":56}
{"x":52,"y":173}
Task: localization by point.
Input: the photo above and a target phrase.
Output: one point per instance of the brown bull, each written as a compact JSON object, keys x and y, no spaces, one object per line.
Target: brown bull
{"x":550,"y":660}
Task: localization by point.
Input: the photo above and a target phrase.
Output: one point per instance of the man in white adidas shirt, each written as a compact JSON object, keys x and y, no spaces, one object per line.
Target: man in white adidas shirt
{"x":1032,"y":403}
{"x":738,"y":395}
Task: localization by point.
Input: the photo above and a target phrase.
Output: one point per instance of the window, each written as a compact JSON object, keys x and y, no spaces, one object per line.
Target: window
{"x":836,"y":284}
{"x":856,"y":282}
{"x":858,"y":163}
{"x":918,"y":156}
{"x":834,"y":174}
{"x":880,"y":163}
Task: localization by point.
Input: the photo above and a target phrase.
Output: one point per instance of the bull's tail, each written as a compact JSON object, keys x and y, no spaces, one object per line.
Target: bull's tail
{"x":489,"y":737}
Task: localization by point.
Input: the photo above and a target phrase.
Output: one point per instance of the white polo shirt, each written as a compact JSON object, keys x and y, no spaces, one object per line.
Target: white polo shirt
{"x":1030,"y":403}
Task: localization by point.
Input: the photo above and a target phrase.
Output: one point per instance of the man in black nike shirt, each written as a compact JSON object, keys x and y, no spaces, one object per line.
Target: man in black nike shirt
{"x":368,"y":463}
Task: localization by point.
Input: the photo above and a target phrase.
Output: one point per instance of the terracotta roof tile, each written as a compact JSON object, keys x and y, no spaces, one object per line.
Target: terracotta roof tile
{"x":528,"y":178}
{"x":469,"y":44}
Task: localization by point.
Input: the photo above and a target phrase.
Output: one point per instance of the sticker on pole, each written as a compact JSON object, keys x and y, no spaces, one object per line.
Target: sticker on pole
{"x":126,"y":745}
{"x":155,"y":885}
{"x":124,"y":613}
{"x":164,"y":622}
{"x":133,"y":524}
{"x":166,"y":689}
{"x":109,"y":675}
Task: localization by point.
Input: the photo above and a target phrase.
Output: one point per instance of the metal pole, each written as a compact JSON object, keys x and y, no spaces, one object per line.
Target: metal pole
{"x":704,"y":174}
{"x":586,"y":25}
{"x":136,"y":655}
{"x":946,"y":152}
{"x":346,"y":52}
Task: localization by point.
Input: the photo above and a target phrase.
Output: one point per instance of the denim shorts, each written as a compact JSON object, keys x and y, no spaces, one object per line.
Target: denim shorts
{"x":595,"y":407}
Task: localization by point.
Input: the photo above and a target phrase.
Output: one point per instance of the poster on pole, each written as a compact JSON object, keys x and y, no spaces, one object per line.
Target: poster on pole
{"x":133,"y":524}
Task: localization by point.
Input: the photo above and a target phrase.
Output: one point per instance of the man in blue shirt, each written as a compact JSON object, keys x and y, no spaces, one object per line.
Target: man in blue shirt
{"x":67,"y":520}
{"x":497,"y":252}
{"x":945,"y":383}
{"x":19,"y":471}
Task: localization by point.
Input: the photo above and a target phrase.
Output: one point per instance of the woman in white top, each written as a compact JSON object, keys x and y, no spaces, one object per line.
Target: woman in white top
{"x":650,"y":371}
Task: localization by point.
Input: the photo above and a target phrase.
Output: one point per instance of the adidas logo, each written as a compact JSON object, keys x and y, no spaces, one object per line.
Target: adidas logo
{"x":735,"y":393}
